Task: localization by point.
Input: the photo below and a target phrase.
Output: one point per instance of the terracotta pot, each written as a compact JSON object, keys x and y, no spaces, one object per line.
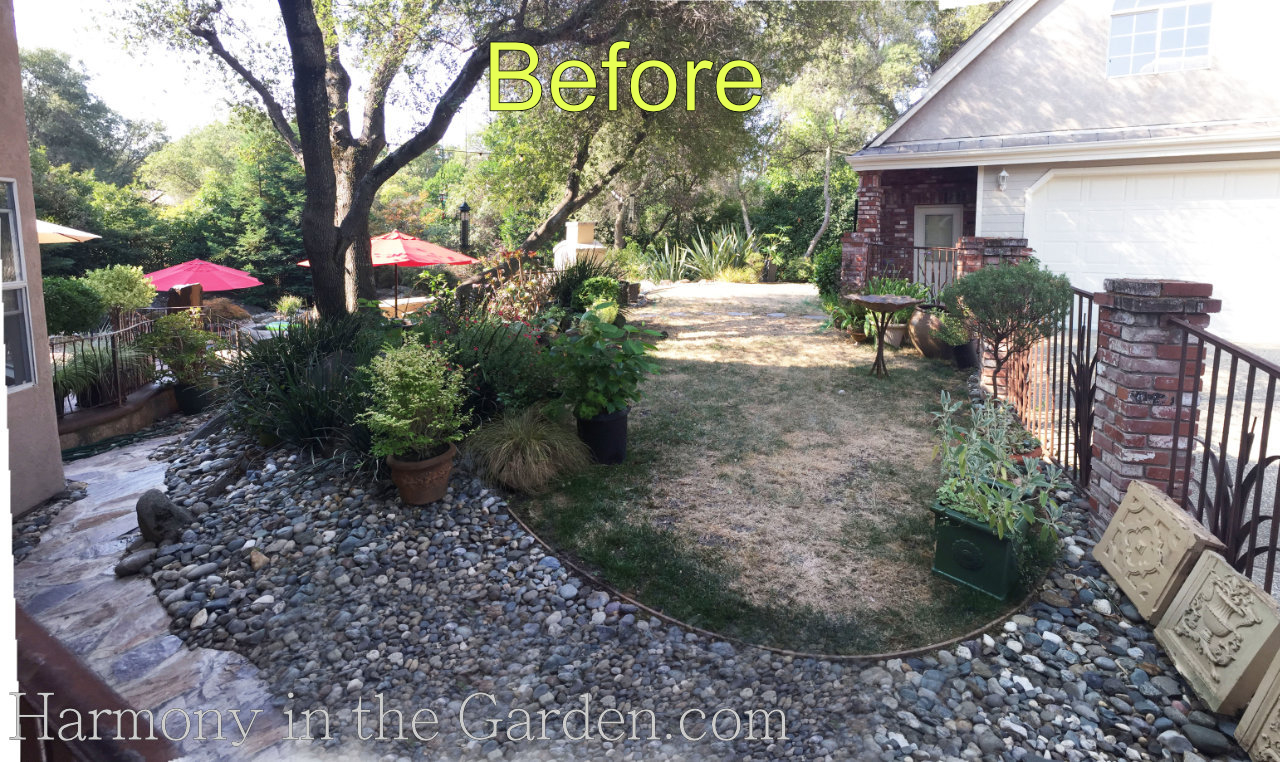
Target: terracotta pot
{"x":923,"y":329}
{"x":895,"y":334}
{"x":1018,"y":457}
{"x":422,"y":481}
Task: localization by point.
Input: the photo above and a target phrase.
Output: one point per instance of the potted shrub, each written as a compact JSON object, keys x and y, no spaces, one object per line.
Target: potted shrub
{"x":601,"y":366}
{"x":415,"y":414}
{"x":986,"y":505}
{"x":1010,"y":308}
{"x":191,"y":355}
{"x":953,"y":332}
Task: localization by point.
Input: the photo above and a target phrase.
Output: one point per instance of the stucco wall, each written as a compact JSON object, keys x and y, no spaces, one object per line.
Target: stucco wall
{"x":1048,"y":73}
{"x":35,"y":462}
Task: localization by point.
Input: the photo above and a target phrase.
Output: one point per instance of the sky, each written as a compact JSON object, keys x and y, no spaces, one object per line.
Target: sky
{"x":160,"y":86}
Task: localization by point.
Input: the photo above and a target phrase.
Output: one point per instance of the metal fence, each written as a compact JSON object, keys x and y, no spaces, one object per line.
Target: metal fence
{"x":102,"y":369}
{"x":1226,"y":455}
{"x":1053,"y":387}
{"x":935,"y":267}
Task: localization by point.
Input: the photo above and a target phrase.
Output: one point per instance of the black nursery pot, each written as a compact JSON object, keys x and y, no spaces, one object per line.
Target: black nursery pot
{"x":193,"y":399}
{"x":606,"y":436}
{"x":966,"y":355}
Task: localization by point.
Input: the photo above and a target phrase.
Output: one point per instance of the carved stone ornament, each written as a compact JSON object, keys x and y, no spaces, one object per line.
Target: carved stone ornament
{"x":1259,"y":729}
{"x":1221,"y":632}
{"x":1150,"y":546}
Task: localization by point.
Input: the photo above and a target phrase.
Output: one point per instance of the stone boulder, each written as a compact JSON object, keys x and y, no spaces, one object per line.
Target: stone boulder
{"x":160,"y":519}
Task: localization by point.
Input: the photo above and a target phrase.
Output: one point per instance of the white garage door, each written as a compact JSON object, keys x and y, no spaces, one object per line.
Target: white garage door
{"x":1203,"y":222}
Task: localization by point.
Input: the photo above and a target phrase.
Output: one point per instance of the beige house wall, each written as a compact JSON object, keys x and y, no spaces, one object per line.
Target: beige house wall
{"x":35,"y":462}
{"x":1047,"y":73}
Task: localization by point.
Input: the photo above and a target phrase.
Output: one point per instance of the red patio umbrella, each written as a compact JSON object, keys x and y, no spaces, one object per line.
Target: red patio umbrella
{"x":396,"y":248}
{"x":211,"y":277}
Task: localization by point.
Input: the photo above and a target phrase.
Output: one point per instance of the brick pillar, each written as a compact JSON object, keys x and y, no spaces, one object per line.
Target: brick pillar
{"x":870,"y":204}
{"x":855,"y":250}
{"x":1139,"y":370}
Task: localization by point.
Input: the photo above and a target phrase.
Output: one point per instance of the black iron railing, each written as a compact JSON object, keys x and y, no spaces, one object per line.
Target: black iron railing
{"x":1053,"y":387}
{"x":1224,"y":471}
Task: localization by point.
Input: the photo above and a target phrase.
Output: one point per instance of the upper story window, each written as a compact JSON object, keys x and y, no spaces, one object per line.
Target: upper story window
{"x":1149,"y":36}
{"x":19,"y":370}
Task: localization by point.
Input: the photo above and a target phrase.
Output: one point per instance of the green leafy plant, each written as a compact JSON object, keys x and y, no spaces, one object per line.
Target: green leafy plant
{"x":826,"y":271}
{"x":302,"y":386}
{"x":897,"y":287}
{"x":566,"y":282}
{"x":71,"y":306}
{"x":595,"y":291}
{"x":290,"y":306}
{"x":742,"y":274}
{"x":844,"y":315}
{"x":526,"y":450}
{"x":601,"y":365}
{"x":187,"y":350}
{"x":727,"y":247}
{"x":121,"y":287}
{"x":1009,"y":307}
{"x":89,"y":372}
{"x":952,"y":330}
{"x":416,"y":400}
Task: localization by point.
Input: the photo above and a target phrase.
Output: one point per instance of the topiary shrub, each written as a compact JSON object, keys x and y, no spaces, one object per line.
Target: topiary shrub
{"x":71,"y":306}
{"x":1009,"y":308}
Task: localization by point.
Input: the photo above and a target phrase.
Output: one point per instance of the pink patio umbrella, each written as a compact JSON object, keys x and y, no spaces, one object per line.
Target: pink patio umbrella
{"x":211,"y":277}
{"x":396,"y":248}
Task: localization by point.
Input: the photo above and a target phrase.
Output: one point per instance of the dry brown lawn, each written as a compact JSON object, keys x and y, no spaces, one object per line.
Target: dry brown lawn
{"x":810,"y":477}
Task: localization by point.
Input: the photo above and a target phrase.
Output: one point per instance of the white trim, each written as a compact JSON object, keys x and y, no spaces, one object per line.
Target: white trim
{"x":1150,"y":169}
{"x":1143,"y":148}
{"x":23,"y":285}
{"x":920,"y":211}
{"x":977,"y":205}
{"x":970,"y":50}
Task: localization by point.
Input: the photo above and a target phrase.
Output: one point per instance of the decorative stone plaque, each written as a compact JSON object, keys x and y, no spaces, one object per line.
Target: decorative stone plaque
{"x":1150,"y":546}
{"x":1259,"y":729}
{"x":1221,"y":631}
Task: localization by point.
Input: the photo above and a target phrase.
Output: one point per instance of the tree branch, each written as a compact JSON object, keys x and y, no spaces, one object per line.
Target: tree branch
{"x":275,"y":111}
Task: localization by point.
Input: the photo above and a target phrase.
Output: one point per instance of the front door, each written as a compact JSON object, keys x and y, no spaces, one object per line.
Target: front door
{"x":938,"y":227}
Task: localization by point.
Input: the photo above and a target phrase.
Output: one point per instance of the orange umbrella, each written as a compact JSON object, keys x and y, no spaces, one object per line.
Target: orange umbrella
{"x":396,"y":248}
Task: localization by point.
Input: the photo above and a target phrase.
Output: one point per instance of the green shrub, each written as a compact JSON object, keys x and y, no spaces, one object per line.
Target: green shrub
{"x":301,"y":387}
{"x":566,"y":282}
{"x":290,"y":306}
{"x":739,"y":275}
{"x":826,"y":271}
{"x":726,"y":247}
{"x":595,"y":290}
{"x":526,"y":450}
{"x":416,"y":400}
{"x":505,"y":366}
{"x":1009,"y":307}
{"x":632,"y":260}
{"x":121,"y":287}
{"x":668,"y":263}
{"x":952,"y":330}
{"x":601,"y":365}
{"x":71,"y":306}
{"x":187,"y":350}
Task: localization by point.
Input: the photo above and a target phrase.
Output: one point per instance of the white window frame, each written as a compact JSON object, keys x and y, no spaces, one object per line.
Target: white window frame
{"x":20,"y":285}
{"x":1161,"y":64}
{"x":956,"y":210}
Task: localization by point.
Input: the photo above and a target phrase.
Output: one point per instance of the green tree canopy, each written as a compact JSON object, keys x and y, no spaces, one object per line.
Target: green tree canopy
{"x":75,"y":127}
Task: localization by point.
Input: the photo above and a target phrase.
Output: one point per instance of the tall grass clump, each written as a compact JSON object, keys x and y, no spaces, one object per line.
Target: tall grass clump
{"x":526,"y":450}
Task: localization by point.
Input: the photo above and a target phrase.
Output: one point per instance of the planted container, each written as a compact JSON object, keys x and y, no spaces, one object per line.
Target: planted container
{"x":606,"y":436}
{"x":966,"y":355}
{"x":924,"y":328}
{"x":193,"y":399}
{"x":422,"y":481}
{"x":895,"y":334}
{"x":969,"y":553}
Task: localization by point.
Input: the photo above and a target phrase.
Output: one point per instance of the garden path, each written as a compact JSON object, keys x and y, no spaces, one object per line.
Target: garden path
{"x":117,"y":626}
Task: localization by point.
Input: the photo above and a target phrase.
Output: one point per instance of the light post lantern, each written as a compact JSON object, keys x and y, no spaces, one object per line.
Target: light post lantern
{"x":464,"y":216}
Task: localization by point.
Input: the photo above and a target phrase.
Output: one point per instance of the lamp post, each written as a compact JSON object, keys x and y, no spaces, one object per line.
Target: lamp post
{"x":464,"y":216}
{"x":444,"y":197}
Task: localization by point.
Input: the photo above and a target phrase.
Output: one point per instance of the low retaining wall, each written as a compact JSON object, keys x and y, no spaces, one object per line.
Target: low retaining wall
{"x":140,"y":409}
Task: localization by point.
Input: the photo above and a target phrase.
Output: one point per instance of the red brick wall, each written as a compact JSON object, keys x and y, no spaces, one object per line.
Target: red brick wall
{"x":902,"y":190}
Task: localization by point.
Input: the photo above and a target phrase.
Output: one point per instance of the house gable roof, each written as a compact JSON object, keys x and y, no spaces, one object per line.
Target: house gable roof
{"x":971,"y":49}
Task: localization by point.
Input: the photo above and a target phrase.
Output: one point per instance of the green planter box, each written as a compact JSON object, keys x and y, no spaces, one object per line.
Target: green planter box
{"x":969,"y":553}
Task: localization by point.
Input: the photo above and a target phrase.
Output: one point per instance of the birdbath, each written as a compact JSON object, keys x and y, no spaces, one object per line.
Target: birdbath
{"x":882,"y":307}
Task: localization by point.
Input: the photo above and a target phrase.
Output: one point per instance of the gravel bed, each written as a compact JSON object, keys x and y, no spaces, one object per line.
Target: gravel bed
{"x":30,"y":526}
{"x":338,"y":592}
